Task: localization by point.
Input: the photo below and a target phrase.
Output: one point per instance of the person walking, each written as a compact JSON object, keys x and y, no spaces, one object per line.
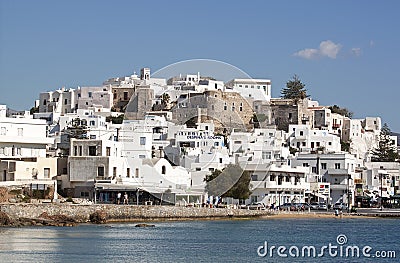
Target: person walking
{"x":125,"y":198}
{"x":118,"y":198}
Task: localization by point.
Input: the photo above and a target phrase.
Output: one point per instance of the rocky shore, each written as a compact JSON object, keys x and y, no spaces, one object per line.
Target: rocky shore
{"x":72,"y":214}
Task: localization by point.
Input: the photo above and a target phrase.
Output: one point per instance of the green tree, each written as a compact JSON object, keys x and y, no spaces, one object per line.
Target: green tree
{"x":345,"y":146}
{"x":386,"y":150}
{"x":165,"y":98}
{"x":295,"y":89}
{"x":342,"y":111}
{"x":232,"y":181}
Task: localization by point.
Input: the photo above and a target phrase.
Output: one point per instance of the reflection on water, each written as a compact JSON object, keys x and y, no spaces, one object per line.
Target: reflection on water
{"x":192,"y":241}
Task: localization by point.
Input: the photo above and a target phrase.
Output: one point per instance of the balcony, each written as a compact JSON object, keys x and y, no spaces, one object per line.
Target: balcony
{"x":274,"y":185}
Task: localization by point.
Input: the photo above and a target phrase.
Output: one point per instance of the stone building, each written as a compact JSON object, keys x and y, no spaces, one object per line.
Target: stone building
{"x":227,"y":110}
{"x":283,"y":112}
{"x":140,"y":103}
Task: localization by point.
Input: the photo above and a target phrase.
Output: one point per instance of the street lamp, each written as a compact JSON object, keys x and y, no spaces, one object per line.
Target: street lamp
{"x":348,"y":193}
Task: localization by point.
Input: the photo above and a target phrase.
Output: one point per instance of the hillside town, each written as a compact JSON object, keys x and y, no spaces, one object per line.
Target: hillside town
{"x":144,"y":140}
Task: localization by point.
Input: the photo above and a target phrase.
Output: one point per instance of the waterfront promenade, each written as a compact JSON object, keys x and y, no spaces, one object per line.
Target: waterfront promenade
{"x":71,"y":214}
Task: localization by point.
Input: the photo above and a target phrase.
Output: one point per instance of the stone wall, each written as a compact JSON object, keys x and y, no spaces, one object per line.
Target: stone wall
{"x":81,"y":213}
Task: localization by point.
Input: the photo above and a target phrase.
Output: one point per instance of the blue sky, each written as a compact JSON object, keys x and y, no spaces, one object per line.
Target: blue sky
{"x":346,"y":52}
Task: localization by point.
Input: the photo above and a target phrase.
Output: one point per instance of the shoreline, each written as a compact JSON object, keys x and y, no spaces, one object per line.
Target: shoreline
{"x":72,"y":214}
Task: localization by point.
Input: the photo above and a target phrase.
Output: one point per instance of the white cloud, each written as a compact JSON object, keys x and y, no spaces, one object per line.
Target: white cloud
{"x":326,"y":49}
{"x":309,"y":53}
{"x":356,"y":51}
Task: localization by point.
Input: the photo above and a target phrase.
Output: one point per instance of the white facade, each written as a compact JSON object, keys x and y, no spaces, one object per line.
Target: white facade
{"x":338,"y":169}
{"x":251,"y":89}
{"x":272,"y":184}
{"x":199,"y":150}
{"x":305,"y":139}
{"x":22,"y":137}
{"x":61,"y":101}
{"x":260,"y":146}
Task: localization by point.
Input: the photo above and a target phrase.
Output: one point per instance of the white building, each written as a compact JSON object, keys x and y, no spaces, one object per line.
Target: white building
{"x":338,"y":169}
{"x":60,"y":101}
{"x":199,"y":150}
{"x":259,"y":146}
{"x":23,"y":137}
{"x":278,"y":184}
{"x":23,"y":161}
{"x":305,"y":139}
{"x":251,"y":89}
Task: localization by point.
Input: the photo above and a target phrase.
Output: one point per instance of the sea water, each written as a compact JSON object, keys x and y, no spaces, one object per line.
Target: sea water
{"x":204,"y":241}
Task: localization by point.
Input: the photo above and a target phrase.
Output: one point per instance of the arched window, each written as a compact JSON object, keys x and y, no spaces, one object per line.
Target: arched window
{"x":163,"y":169}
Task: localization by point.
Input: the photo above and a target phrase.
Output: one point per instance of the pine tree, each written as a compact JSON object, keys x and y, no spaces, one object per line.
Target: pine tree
{"x":295,"y":89}
{"x":386,"y":150}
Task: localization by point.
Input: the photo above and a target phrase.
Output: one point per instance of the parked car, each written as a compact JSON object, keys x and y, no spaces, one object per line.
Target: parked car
{"x":314,"y":206}
{"x":256,"y":206}
{"x":287,"y":206}
{"x":340,"y":206}
{"x":322,"y":206}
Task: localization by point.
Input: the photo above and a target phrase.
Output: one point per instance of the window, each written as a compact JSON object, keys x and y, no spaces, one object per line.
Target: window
{"x":220,"y":160}
{"x":337,"y":165}
{"x":306,"y":165}
{"x":314,"y":169}
{"x":323,"y":166}
{"x":46,"y":173}
{"x":287,"y":179}
{"x":280,"y":179}
{"x":100,"y":171}
{"x":90,"y":94}
{"x":108,"y":151}
{"x":44,"y":102}
{"x":225,"y":106}
{"x":254,"y":177}
{"x":137,"y":172}
{"x":301,"y":133}
{"x":80,"y":150}
{"x":2,"y":151}
{"x":114,"y":171}
{"x":198,"y":169}
{"x":65,"y":101}
{"x":142,"y":140}
{"x":92,"y":123}
{"x":266,"y":155}
{"x":272,"y":177}
{"x":75,"y":150}
{"x":20,"y":132}
{"x":128,"y":172}
{"x":163,"y":169}
{"x":92,"y":151}
{"x":125,"y":95}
